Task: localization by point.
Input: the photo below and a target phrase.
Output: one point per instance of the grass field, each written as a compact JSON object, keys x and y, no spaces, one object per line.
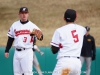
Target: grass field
{"x":48,"y":15}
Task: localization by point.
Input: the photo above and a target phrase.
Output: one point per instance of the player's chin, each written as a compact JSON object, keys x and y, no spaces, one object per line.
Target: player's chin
{"x":24,"y":19}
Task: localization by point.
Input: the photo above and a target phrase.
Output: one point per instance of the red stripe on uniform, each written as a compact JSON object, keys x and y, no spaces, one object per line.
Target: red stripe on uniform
{"x":60,"y":45}
{"x":10,"y":34}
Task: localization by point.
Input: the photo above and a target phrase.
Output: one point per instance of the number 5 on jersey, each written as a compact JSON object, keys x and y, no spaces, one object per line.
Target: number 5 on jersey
{"x":75,"y":36}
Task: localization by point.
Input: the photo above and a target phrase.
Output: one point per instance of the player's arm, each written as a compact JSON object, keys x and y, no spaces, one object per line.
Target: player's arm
{"x":55,"y":42}
{"x":94,"y":49}
{"x":54,"y":49}
{"x":10,"y":40}
{"x":38,"y":50}
{"x":8,"y":46}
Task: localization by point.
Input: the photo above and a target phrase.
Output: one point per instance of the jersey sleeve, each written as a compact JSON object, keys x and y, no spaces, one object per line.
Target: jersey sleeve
{"x":10,"y":32}
{"x":55,"y":39}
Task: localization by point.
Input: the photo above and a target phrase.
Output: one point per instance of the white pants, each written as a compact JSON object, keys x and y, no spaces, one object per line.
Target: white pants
{"x":36,"y":64}
{"x":67,"y":66}
{"x":22,"y":62}
{"x":88,"y":63}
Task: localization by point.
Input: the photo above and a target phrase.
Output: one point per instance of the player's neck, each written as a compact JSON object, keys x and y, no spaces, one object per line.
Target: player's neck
{"x":86,"y":34}
{"x":69,"y":22}
{"x":23,"y":22}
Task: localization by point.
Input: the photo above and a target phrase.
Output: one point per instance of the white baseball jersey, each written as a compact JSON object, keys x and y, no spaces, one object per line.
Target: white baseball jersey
{"x":69,"y":39}
{"x":21,"y":34}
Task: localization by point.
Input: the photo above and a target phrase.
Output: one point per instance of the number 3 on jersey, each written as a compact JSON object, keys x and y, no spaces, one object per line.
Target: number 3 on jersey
{"x":25,"y":39}
{"x":75,"y":36}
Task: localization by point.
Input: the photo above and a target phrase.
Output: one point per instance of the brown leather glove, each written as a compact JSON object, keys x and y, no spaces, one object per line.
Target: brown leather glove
{"x":38,"y":34}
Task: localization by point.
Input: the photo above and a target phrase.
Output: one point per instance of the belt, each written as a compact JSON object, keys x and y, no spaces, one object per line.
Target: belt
{"x":72,"y":56}
{"x":20,"y":49}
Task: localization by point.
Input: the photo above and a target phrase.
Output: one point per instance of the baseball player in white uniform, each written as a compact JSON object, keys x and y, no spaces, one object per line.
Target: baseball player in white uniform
{"x":67,"y":41}
{"x":19,"y":32}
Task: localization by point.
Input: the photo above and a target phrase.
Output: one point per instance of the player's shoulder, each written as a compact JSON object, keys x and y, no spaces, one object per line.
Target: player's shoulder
{"x":58,"y":29}
{"x":65,"y":27}
{"x":91,"y":36}
{"x":31,"y":23}
{"x":16,"y":23}
{"x":61,"y":28}
{"x":79,"y":26}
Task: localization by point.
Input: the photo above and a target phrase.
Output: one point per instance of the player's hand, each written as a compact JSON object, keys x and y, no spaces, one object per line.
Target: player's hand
{"x":38,"y":34}
{"x":42,"y":53}
{"x":6,"y":54}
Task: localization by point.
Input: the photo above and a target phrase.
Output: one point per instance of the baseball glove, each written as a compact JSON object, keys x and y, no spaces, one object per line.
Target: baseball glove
{"x":38,"y":34}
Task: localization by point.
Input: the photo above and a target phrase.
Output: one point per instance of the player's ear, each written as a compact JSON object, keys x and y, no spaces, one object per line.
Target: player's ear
{"x":76,"y":17}
{"x":64,"y":19}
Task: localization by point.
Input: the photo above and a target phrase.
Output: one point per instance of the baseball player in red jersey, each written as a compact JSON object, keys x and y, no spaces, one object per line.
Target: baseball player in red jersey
{"x":19,"y":32}
{"x":67,"y":41}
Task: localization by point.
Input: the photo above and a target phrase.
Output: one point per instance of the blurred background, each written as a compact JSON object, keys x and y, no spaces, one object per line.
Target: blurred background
{"x":48,"y":15}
